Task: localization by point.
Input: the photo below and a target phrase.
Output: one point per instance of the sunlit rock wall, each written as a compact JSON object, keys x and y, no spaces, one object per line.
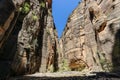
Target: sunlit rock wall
{"x":91,"y":38}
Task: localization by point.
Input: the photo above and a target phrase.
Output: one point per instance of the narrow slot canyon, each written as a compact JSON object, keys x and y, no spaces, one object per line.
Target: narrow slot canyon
{"x":88,"y":49}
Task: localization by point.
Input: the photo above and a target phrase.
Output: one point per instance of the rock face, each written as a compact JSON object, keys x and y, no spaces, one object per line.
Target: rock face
{"x":91,"y":38}
{"x":8,"y":18}
{"x":28,"y":38}
{"x":29,"y":41}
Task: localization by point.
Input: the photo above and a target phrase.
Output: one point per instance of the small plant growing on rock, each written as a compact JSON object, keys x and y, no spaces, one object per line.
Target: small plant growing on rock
{"x":34,"y":16}
{"x":42,"y":4}
{"x":25,"y":8}
{"x":64,"y":66}
{"x":106,"y":65}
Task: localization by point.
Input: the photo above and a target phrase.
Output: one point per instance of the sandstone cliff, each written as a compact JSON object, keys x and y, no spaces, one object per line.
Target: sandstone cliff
{"x":28,"y":37}
{"x":29,"y":41}
{"x":91,"y":38}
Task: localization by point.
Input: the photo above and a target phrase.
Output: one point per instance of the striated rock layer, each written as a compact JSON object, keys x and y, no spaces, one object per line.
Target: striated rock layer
{"x":91,"y":38}
{"x":29,"y":41}
{"x":28,"y":37}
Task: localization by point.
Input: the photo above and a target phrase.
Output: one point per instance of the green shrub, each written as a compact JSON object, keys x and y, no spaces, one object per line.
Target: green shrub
{"x":42,"y":4}
{"x":34,"y":16}
{"x":25,"y":8}
{"x":64,"y":66}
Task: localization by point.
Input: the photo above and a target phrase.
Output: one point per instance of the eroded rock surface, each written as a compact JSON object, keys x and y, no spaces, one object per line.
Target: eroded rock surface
{"x":29,"y":41}
{"x":28,"y":37}
{"x":37,"y":41}
{"x":90,"y":41}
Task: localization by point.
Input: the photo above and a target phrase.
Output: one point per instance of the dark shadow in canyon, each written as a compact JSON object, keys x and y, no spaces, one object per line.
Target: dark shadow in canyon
{"x":6,"y":8}
{"x":116,"y":53}
{"x":55,"y":63}
{"x":9,"y":47}
{"x":6,"y":51}
{"x":40,"y":40}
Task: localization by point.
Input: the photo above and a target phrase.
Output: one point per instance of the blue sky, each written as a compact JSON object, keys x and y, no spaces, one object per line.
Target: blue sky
{"x":61,"y":9}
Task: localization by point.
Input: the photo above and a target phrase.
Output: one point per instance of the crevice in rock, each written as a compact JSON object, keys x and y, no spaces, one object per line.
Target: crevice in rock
{"x":91,"y":14}
{"x":102,"y":27}
{"x":113,"y":6}
{"x":111,"y":28}
{"x":113,"y":0}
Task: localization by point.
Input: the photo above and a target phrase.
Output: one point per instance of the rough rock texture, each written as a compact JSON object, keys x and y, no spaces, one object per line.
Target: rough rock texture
{"x":28,"y":41}
{"x":8,"y":18}
{"x":91,"y":38}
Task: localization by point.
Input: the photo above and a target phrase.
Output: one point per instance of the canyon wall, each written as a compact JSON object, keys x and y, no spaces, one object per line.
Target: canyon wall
{"x":28,"y":37}
{"x":91,"y":39}
{"x":29,"y":43}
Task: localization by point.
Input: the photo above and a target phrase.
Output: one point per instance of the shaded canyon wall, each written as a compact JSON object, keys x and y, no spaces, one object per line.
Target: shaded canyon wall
{"x":28,"y":37}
